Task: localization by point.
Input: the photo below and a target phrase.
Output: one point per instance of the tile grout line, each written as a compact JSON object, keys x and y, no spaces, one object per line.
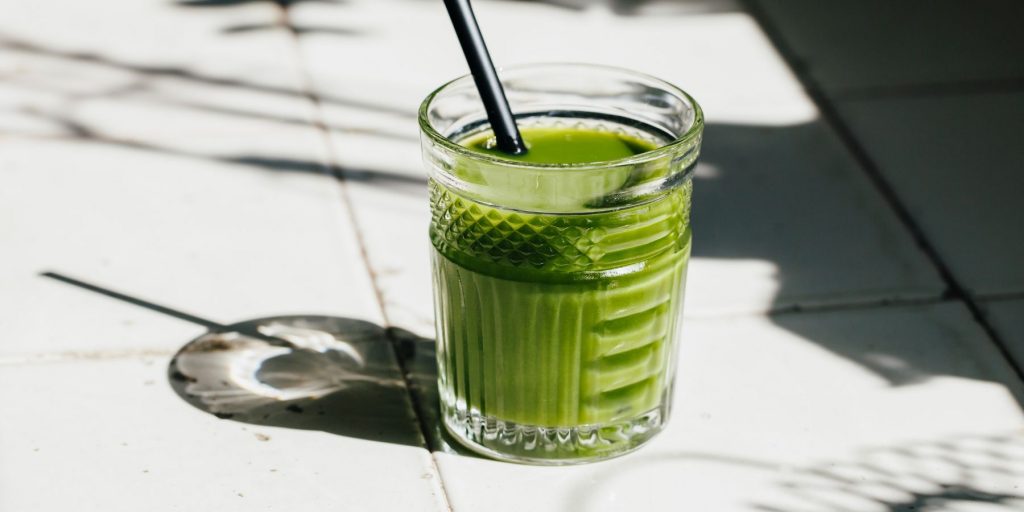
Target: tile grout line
{"x":68,"y":356}
{"x":791,"y":310}
{"x":930,"y":90}
{"x":337,"y":171}
{"x":955,"y":290}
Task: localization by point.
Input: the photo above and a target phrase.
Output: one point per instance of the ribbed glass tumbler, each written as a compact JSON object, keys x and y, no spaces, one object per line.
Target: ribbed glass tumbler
{"x":558,"y":288}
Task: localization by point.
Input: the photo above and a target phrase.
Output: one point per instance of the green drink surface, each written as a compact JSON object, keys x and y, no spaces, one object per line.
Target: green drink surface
{"x":558,"y":145}
{"x":558,"y":320}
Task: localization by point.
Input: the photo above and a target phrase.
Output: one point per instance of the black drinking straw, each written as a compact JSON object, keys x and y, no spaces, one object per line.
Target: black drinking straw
{"x":499,"y":114}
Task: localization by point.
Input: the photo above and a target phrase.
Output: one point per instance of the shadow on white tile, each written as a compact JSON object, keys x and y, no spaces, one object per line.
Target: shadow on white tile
{"x":877,"y":45}
{"x":954,"y":162}
{"x":784,"y":218}
{"x":1007,"y":317}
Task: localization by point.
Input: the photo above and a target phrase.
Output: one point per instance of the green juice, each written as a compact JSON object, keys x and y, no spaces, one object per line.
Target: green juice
{"x":562,"y":324}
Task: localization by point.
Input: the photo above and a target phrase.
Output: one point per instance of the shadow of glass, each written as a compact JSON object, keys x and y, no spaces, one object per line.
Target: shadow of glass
{"x":419,"y":360}
{"x":342,"y":378}
{"x":346,"y":377}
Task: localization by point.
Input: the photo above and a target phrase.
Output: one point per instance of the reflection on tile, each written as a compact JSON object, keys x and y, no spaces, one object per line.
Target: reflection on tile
{"x":112,"y":434}
{"x":875,"y":44}
{"x":1007,"y":316}
{"x":768,"y":414}
{"x":955,"y":163}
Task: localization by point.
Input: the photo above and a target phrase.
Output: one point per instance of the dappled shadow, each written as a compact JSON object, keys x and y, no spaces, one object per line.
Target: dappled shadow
{"x":947,"y":474}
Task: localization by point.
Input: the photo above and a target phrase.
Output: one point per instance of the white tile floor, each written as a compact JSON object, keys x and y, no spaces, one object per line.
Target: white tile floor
{"x":167,"y":151}
{"x":110,"y":434}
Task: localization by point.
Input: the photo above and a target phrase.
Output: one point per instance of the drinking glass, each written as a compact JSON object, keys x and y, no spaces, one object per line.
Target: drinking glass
{"x":558,"y":288}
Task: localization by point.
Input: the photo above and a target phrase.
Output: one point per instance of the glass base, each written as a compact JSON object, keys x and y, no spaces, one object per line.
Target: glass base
{"x":550,"y":446}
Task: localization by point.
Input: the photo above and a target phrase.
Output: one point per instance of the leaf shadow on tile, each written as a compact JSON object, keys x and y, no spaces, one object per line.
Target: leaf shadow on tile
{"x":145,"y":72}
{"x":643,"y":7}
{"x":298,"y":29}
{"x":947,"y":473}
{"x":879,"y":47}
{"x":232,"y":3}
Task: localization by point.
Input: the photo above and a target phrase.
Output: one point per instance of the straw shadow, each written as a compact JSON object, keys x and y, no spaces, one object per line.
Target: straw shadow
{"x":337,"y":375}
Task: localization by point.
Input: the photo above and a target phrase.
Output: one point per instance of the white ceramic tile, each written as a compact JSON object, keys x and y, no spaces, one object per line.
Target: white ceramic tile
{"x":148,"y":33}
{"x":885,"y":409}
{"x":226,"y":241}
{"x":152,"y":72}
{"x":1007,"y":316}
{"x":954,"y":162}
{"x":393,"y":221}
{"x":111,"y":435}
{"x":870,"y":44}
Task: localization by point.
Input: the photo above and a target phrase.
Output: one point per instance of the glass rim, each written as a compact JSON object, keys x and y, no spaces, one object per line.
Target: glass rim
{"x":691,"y":133}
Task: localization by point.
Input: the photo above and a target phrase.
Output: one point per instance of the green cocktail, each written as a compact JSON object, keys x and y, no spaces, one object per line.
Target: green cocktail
{"x":558,"y":280}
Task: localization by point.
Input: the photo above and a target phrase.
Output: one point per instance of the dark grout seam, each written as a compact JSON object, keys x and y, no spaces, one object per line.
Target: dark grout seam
{"x":337,"y":171}
{"x":954,"y":289}
{"x":868,"y":305}
{"x":931,"y":90}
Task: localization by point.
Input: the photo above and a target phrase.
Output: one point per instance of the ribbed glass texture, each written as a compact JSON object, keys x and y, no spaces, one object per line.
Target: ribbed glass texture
{"x":558,"y":288}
